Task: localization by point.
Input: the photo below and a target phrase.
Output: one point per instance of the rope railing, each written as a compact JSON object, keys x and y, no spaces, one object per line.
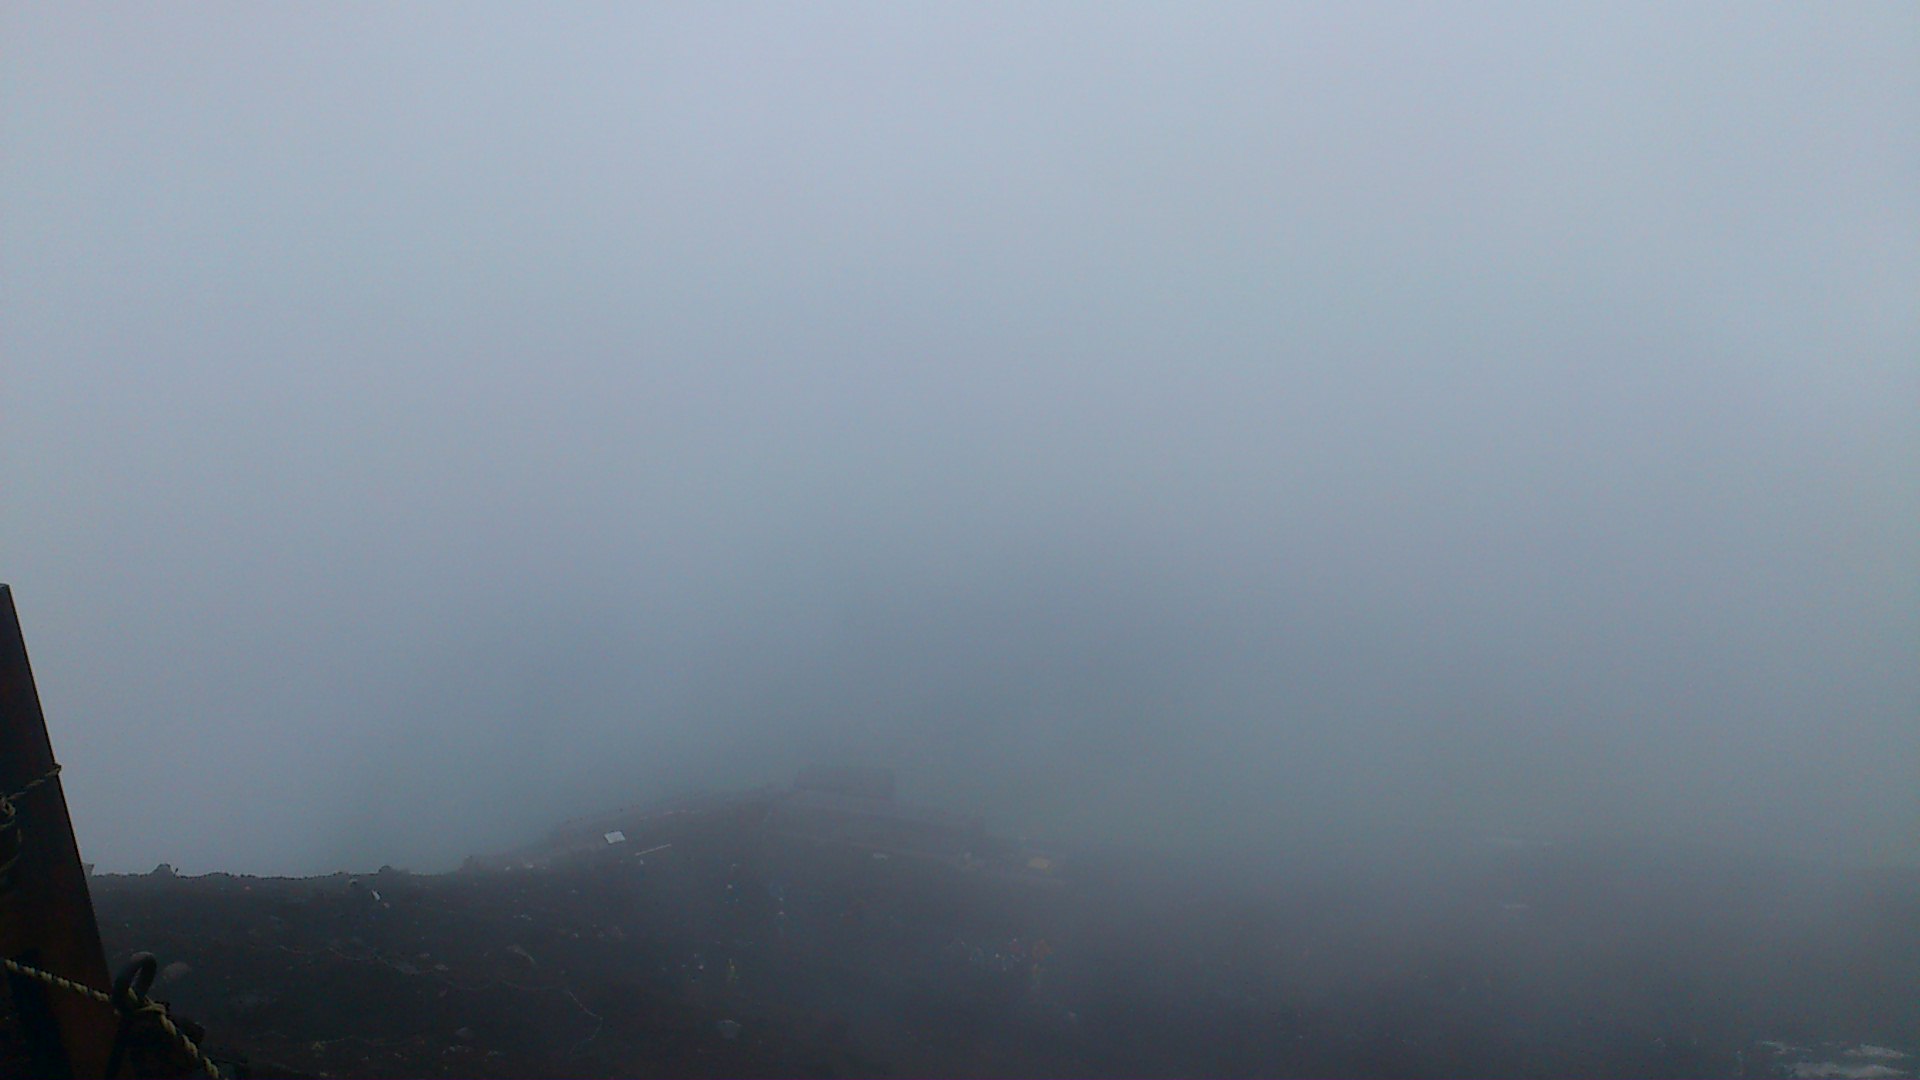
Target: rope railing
{"x":129,"y":997}
{"x":10,"y":834}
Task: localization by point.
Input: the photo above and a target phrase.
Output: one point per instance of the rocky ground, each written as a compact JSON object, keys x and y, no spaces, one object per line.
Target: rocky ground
{"x":729,"y":952}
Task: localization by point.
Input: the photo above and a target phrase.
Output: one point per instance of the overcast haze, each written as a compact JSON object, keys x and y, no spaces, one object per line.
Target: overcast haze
{"x":1207,"y":426}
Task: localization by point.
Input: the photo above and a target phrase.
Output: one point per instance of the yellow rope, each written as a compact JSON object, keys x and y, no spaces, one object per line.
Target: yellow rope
{"x":141,"y":1004}
{"x":36,"y":782}
{"x":51,"y":979}
{"x":10,"y":822}
{"x":137,"y":1003}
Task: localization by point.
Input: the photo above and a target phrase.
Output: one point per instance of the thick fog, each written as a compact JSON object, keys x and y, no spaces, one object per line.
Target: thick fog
{"x":1219,"y":428}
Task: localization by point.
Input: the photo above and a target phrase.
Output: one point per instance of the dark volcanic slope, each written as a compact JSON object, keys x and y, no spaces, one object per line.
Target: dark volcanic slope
{"x":1481,"y":959}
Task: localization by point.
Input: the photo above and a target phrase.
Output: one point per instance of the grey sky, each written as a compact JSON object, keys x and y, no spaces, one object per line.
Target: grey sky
{"x":1199,"y":424}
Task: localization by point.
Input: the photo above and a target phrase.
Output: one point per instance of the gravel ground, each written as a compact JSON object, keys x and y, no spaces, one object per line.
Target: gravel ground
{"x":737,"y":953}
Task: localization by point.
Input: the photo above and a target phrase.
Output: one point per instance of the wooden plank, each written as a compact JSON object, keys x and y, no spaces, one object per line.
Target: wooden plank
{"x":46,"y":913}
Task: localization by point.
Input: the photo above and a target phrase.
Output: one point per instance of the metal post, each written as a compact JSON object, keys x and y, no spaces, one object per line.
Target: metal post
{"x":46,"y":914}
